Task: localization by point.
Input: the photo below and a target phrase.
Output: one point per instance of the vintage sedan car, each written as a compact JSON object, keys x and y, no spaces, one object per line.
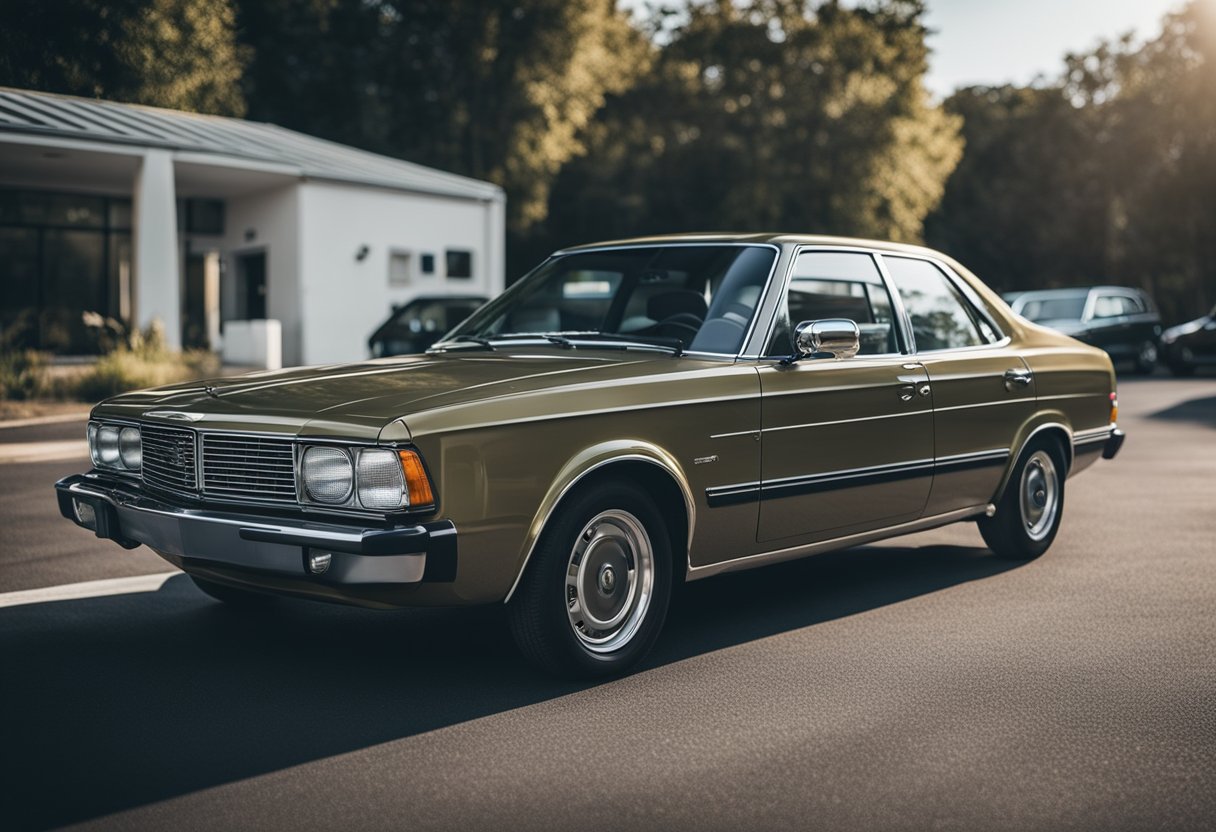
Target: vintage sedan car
{"x":1122,"y":321}
{"x":627,"y":416}
{"x":1191,"y":345}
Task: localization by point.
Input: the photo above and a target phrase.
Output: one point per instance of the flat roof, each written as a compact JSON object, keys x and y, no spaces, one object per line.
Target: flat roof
{"x":37,"y":114}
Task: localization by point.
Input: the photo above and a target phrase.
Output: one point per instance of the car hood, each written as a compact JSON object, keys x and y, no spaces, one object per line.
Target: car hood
{"x":360,"y":399}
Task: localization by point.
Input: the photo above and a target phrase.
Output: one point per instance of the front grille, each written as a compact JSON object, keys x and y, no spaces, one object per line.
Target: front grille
{"x":168,"y":458}
{"x":253,"y":467}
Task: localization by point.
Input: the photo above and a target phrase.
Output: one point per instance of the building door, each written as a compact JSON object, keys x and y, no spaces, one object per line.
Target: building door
{"x":251,"y":286}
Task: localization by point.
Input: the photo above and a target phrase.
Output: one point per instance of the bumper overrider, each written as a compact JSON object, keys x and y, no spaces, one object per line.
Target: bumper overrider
{"x":276,"y":553}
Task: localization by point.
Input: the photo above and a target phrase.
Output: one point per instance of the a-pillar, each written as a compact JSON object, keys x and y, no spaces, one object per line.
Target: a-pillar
{"x":158,"y":293}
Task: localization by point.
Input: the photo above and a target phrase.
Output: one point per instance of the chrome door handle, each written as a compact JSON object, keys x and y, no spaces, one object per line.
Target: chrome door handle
{"x":905,"y":393}
{"x":1018,"y":377}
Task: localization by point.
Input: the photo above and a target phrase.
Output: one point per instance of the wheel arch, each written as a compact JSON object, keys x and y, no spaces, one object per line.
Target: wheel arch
{"x":1053,"y":425}
{"x":644,"y":463}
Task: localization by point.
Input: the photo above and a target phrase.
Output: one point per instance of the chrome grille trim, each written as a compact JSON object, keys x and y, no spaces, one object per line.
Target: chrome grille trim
{"x":253,"y":467}
{"x":169,"y":458}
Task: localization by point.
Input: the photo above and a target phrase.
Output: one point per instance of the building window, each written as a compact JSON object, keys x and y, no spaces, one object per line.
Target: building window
{"x":459,"y":262}
{"x":205,"y":216}
{"x":427,"y":262}
{"x":62,"y":255}
{"x":399,"y":268}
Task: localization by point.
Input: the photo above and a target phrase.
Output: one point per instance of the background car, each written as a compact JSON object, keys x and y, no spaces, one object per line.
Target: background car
{"x":1120,"y":320}
{"x":1190,"y":345}
{"x":414,"y":327}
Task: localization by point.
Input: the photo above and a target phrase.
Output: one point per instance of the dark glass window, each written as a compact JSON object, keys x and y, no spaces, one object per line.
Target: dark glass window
{"x":459,"y":262}
{"x":941,"y":317}
{"x":61,"y":255}
{"x":838,"y":284}
{"x":205,"y":216}
{"x":427,"y":263}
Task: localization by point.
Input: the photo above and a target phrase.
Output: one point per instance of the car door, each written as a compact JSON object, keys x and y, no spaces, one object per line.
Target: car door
{"x":847,"y":444}
{"x":982,"y":390}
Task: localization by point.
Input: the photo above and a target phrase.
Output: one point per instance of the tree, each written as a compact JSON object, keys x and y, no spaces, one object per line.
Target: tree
{"x":769,"y":115}
{"x":496,"y":90}
{"x":170,"y":53}
{"x":1104,"y":175}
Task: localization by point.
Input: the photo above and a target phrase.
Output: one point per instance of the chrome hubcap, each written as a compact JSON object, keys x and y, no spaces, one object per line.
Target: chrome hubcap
{"x":609,"y":581}
{"x":1040,"y":495}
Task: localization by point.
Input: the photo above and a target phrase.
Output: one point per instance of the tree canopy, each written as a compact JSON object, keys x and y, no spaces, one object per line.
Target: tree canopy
{"x":798,"y":115}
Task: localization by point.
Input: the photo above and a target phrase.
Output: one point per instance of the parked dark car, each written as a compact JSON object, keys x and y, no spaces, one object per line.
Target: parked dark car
{"x":1190,"y":345}
{"x":1122,"y":321}
{"x":414,"y":327}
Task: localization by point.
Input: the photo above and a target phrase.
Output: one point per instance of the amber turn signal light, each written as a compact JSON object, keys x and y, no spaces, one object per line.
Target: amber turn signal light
{"x":416,"y":482}
{"x":1114,"y":408}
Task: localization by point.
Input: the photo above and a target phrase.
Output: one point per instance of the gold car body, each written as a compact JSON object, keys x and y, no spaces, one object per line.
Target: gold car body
{"x":750,"y":460}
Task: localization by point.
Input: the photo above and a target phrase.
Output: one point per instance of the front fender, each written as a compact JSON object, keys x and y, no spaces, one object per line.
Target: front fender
{"x":587,"y":461}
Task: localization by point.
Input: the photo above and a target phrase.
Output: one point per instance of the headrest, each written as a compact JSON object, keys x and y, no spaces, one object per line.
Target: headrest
{"x":667,"y":304}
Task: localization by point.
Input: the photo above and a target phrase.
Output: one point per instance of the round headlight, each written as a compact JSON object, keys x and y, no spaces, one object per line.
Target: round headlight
{"x":107,"y":445}
{"x":92,"y":435}
{"x":381,"y":485}
{"x":328,"y":475}
{"x":130,"y":449}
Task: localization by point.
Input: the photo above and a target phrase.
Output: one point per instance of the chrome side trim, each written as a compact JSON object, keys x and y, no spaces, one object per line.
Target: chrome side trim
{"x":538,"y":525}
{"x":795,"y":552}
{"x":735,"y":493}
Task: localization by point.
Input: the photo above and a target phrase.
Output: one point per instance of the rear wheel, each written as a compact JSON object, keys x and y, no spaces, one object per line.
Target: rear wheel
{"x":1146,"y":358}
{"x":1028,"y":514}
{"x":231,"y":596}
{"x":595,"y":594}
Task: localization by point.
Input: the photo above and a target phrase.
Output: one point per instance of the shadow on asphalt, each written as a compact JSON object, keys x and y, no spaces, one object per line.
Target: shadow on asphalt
{"x":1200,"y":411}
{"x":111,"y":703}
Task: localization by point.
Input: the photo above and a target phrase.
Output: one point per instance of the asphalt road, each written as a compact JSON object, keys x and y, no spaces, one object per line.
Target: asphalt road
{"x":918,"y":684}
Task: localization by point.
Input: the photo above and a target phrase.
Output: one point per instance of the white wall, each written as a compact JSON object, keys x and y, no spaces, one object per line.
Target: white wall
{"x":273,"y":217}
{"x":344,"y":299}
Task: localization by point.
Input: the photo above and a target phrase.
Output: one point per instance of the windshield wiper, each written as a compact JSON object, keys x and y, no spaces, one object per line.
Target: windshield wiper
{"x":626,"y":341}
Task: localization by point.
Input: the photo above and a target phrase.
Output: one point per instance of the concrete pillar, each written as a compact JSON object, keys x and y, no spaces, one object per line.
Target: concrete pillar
{"x":495,"y":243}
{"x":157,"y":279}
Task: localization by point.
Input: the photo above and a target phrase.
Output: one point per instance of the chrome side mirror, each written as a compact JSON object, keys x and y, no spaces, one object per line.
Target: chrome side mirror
{"x":838,"y":336}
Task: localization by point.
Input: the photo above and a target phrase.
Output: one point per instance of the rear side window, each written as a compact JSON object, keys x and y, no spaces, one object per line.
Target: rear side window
{"x":941,"y":317}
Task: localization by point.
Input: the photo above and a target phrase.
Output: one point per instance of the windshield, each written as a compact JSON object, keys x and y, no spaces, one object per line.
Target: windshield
{"x":683,"y":298}
{"x":1054,"y":309}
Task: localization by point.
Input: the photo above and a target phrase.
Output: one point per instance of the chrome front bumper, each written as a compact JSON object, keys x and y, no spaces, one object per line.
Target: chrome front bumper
{"x":248,"y":545}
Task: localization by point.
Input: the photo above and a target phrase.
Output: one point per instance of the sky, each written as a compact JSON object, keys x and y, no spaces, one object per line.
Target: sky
{"x":997,"y":41}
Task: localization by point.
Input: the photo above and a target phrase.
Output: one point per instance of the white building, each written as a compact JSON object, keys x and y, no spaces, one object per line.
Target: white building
{"x":141,"y":213}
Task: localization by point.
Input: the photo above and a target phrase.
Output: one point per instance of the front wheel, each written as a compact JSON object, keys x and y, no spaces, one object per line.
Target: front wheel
{"x":594,"y":596}
{"x":1028,"y":514}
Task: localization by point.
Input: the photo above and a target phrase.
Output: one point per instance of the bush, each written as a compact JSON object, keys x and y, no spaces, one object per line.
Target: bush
{"x":133,"y":369}
{"x":22,"y":374}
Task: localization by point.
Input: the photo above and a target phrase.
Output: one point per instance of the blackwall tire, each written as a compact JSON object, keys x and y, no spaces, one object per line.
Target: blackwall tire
{"x":595,"y":593}
{"x":1028,"y":514}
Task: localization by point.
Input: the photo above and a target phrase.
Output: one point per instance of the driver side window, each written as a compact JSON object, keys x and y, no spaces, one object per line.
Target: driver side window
{"x":839,"y":284}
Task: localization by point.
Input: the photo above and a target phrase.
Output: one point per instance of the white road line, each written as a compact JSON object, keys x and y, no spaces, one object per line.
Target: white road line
{"x":88,"y":589}
{"x":64,"y":449}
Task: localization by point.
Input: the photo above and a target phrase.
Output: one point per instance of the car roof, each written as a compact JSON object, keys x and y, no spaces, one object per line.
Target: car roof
{"x":754,"y":238}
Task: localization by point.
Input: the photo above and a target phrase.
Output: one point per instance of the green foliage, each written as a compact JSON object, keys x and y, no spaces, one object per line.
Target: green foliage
{"x":181,"y":54}
{"x":769,"y":116}
{"x":499,"y":91}
{"x":137,"y":359}
{"x":1107,"y":175}
{"x":22,"y":374}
